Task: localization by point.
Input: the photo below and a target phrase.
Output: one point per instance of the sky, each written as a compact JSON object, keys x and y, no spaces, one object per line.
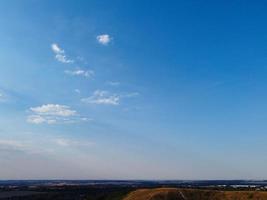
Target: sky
{"x":133,"y":89}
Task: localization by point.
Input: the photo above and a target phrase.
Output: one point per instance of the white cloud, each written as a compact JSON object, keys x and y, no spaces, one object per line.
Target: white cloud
{"x":63,"y":58}
{"x":57,"y":49}
{"x":80,"y":72}
{"x":54,"y":109}
{"x":103,"y":39}
{"x":37,"y":119}
{"x":102,"y":97}
{"x":60,"y":54}
{"x":53,"y":114}
{"x":107,"y":98}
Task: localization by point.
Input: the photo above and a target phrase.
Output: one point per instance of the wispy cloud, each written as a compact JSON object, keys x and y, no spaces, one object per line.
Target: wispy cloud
{"x":102,"y":97}
{"x":113,"y":83}
{"x":42,"y":145}
{"x":60,"y":54}
{"x":77,"y":91}
{"x":38,"y":119}
{"x":80,"y":72}
{"x":62,"y":58}
{"x":104,"y":39}
{"x":3,"y":97}
{"x":64,"y":142}
{"x":12,"y":145}
{"x":28,"y":146}
{"x":107,"y":98}
{"x":52,"y":114}
{"x":54,"y":109}
{"x":131,"y":94}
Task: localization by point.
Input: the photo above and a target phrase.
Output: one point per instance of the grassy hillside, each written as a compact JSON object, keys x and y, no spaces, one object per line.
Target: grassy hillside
{"x":194,"y":194}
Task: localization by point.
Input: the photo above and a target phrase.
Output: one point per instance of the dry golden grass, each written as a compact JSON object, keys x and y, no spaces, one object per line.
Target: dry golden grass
{"x":194,"y":194}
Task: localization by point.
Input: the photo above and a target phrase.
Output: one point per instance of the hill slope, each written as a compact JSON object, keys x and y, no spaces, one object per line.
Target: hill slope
{"x":194,"y":194}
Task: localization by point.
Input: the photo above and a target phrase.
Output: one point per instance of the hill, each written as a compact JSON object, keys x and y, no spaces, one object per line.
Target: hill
{"x":194,"y":194}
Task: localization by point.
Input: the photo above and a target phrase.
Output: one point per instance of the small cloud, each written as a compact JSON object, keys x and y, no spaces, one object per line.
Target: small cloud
{"x":53,"y":114}
{"x":102,"y":97}
{"x":85,"y":119}
{"x":57,"y":49}
{"x":80,"y":72}
{"x":77,"y":91}
{"x":63,"y":58}
{"x":113,"y":83}
{"x":3,"y":97}
{"x":103,"y":39}
{"x":54,"y":109}
{"x":60,"y":54}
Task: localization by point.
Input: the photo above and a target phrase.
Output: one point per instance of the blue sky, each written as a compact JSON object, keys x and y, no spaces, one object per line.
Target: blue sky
{"x":133,"y":89}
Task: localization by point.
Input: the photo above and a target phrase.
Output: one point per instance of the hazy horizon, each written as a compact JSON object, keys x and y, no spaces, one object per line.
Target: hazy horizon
{"x":133,"y":89}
